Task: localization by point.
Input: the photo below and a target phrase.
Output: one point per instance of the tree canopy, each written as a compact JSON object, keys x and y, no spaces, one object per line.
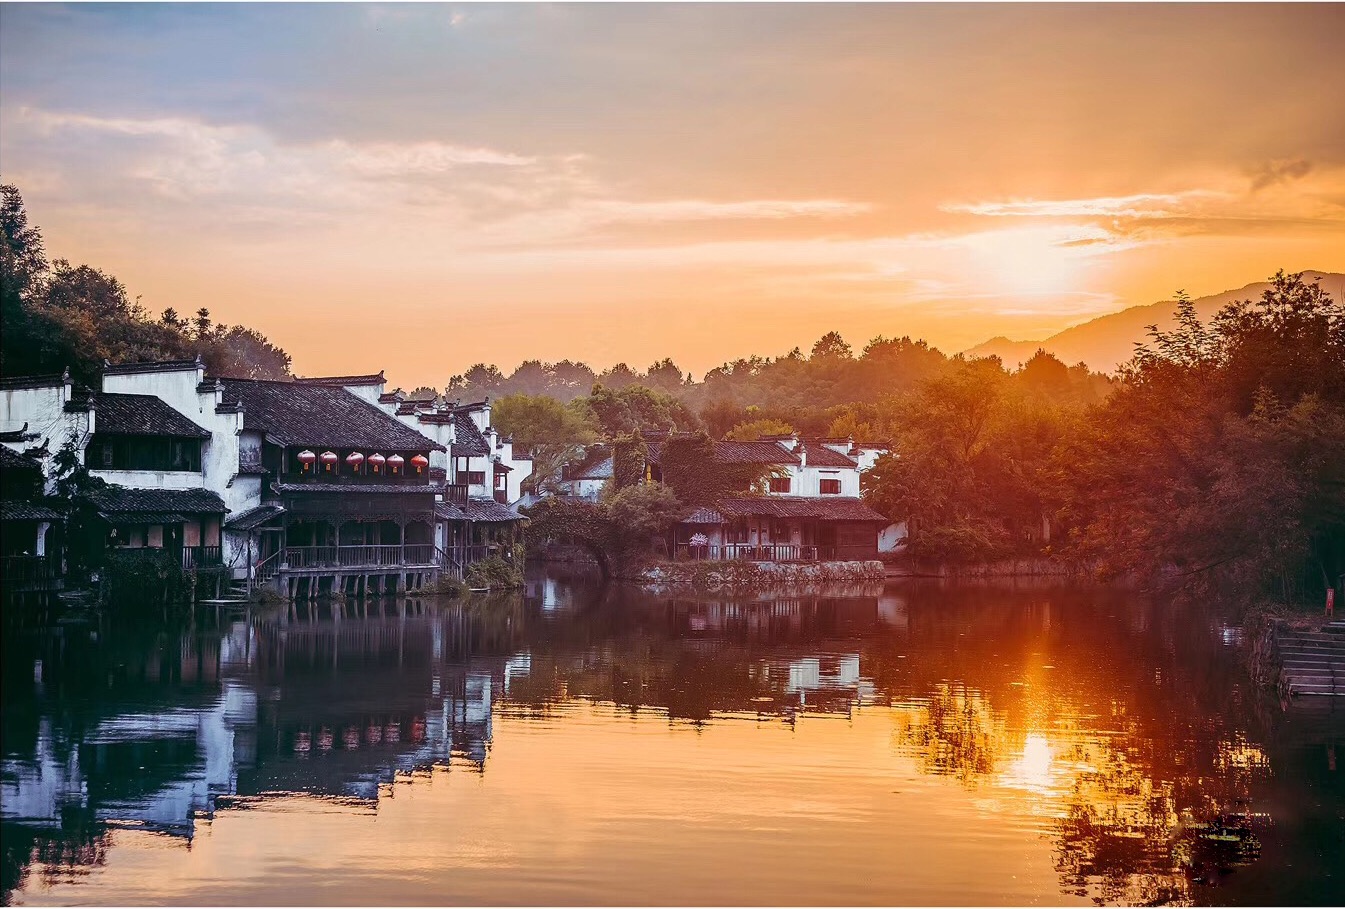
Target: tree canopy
{"x":58,"y":315}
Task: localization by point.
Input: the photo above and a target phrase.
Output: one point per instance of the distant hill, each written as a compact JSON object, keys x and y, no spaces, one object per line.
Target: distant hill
{"x":1108,"y":341}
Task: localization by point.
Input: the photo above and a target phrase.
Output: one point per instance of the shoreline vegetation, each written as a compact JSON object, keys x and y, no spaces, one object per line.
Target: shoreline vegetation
{"x":1212,"y":462}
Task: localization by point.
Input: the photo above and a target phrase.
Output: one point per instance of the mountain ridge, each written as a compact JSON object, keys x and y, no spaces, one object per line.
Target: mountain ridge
{"x":1104,"y":343}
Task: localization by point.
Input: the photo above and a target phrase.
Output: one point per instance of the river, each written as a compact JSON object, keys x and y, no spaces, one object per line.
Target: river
{"x":900,"y":743}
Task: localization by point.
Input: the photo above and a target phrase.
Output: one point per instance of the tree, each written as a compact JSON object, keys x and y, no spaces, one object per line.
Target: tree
{"x":691,"y":468}
{"x":553,"y":432}
{"x":243,"y":353}
{"x":665,"y":375}
{"x":23,"y":268}
{"x":59,"y":315}
{"x":618,"y":377}
{"x":636,"y":408}
{"x":620,"y":531}
{"x":752,"y":430}
{"x":480,"y":381}
{"x":831,"y":346}
{"x":1218,"y":457}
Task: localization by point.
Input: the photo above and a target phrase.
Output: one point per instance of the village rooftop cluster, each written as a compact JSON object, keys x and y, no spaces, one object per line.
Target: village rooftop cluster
{"x":334,"y":484}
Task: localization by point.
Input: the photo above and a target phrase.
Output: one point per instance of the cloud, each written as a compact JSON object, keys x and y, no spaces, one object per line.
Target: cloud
{"x":1289,"y":195}
{"x":1272,"y":172}
{"x":1140,"y":205}
{"x":488,"y":195}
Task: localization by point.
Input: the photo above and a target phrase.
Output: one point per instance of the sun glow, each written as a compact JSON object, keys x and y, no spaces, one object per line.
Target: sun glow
{"x":1030,"y":261}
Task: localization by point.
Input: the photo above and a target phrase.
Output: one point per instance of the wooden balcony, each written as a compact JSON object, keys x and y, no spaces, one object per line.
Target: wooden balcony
{"x":355,"y":558}
{"x":201,"y":557}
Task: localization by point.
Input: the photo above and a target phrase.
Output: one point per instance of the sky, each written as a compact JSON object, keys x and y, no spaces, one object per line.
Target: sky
{"x":421,"y":187}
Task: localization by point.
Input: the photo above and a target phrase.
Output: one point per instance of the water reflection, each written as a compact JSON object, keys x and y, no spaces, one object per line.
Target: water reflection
{"x":1118,"y":733}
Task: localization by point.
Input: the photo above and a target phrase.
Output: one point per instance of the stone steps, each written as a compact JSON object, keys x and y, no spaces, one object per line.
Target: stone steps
{"x":1312,"y":663}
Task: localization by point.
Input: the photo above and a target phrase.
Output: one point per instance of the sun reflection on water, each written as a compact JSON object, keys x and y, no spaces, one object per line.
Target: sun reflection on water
{"x":897,"y":726}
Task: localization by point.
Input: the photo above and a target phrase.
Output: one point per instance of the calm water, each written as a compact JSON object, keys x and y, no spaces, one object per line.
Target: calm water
{"x":907,"y":743}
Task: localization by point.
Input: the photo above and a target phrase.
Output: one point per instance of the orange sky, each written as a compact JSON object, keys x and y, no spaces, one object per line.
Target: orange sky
{"x":418,"y":188}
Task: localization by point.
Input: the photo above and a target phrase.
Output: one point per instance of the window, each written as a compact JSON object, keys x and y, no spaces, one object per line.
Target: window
{"x":108,"y":452}
{"x":829,"y":487}
{"x":473,"y":477}
{"x":780,"y":484}
{"x":736,"y":532}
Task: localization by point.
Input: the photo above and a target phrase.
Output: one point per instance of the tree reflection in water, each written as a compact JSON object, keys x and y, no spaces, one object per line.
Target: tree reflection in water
{"x":1124,"y":727}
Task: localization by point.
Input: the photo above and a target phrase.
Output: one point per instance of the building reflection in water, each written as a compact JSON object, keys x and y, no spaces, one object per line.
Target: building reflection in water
{"x":1110,"y":723}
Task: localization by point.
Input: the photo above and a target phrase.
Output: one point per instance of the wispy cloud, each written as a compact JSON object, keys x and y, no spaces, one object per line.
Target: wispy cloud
{"x":503,"y":196}
{"x":1140,"y":205}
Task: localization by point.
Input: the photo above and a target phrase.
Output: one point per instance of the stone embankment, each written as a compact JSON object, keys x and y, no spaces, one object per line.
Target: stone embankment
{"x":749,"y":577}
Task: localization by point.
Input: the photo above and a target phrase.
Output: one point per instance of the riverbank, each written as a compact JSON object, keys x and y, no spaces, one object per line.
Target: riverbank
{"x":1025,"y":567}
{"x":739,"y":577}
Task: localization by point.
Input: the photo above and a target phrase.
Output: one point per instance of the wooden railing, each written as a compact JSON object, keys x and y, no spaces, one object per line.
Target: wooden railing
{"x":765,"y":552}
{"x":466,"y":555}
{"x":456,"y":493}
{"x":370,"y":556}
{"x":201,"y":557}
{"x":26,"y":572}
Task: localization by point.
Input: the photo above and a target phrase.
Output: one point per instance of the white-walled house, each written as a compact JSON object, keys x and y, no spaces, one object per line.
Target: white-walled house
{"x":587,"y":478}
{"x":811,"y":507}
{"x":327,"y":481}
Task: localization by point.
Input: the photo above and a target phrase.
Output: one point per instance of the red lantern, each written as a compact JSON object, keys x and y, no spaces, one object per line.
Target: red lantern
{"x":354,"y":460}
{"x":420,"y":462}
{"x":306,"y":459}
{"x":376,"y":462}
{"x":329,"y":460}
{"x":395,"y":463}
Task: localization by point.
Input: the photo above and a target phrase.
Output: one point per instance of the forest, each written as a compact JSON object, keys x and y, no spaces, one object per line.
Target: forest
{"x":1215,"y":457}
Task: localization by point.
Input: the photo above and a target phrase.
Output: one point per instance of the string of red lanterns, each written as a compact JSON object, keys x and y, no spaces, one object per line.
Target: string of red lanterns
{"x":356,"y":460}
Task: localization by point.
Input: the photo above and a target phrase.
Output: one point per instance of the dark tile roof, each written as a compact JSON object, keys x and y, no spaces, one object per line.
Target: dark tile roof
{"x":799,"y":507}
{"x":146,"y":517}
{"x":467,"y":439}
{"x":447,"y":511}
{"x":315,"y":415}
{"x":142,"y":415}
{"x":253,"y":517}
{"x":476,"y":509}
{"x":357,"y":488}
{"x":80,"y":401}
{"x":820,"y":455}
{"x":370,"y":379}
{"x":489,"y":510}
{"x":18,"y":435}
{"x":754,"y":453}
{"x":115,"y":369}
{"x":20,"y":510}
{"x":48,"y":380}
{"x":703,"y":514}
{"x":120,"y":499}
{"x":12,"y":460}
{"x":596,"y":465}
{"x":733,"y":452}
